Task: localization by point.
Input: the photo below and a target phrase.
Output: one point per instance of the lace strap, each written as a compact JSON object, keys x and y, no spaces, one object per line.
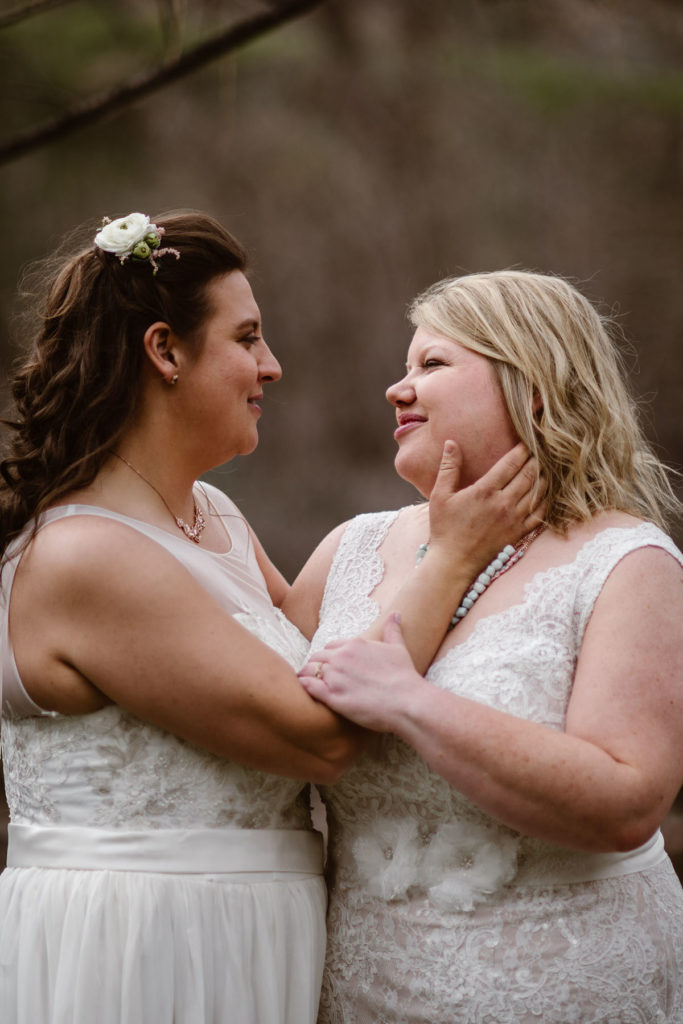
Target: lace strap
{"x":601,"y":555}
{"x":356,"y":570}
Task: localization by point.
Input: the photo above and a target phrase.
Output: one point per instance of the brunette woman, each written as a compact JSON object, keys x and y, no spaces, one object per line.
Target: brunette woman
{"x":162,"y":867}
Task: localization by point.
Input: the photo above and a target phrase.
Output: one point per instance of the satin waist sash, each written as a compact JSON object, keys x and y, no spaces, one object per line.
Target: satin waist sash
{"x":175,"y":851}
{"x":559,"y":866}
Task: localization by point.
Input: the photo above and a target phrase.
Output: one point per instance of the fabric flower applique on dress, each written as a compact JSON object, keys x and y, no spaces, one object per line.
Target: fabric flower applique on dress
{"x":465,"y":863}
{"x":461,"y":865}
{"x":388,"y":857}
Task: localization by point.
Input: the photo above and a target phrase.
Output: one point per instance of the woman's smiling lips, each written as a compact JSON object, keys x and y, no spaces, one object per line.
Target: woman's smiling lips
{"x":254,"y":400}
{"x":406,"y":422}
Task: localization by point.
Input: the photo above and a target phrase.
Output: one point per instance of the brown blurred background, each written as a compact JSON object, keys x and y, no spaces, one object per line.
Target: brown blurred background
{"x":361,"y":152}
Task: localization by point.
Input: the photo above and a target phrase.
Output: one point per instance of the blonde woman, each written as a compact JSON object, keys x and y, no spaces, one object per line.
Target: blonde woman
{"x":495,"y":855}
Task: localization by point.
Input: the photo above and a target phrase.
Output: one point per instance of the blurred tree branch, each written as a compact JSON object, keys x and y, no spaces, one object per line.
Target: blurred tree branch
{"x":24,"y":11}
{"x":103,"y":105}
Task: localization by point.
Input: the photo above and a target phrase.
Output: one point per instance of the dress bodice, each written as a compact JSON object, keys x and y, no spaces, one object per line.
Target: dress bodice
{"x":522,"y":661}
{"x":438,"y":913}
{"x":109,"y":769}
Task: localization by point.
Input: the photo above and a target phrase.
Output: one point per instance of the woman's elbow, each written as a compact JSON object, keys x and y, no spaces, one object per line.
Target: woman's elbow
{"x":338,"y":754}
{"x":632,"y":830}
{"x":630,"y":835}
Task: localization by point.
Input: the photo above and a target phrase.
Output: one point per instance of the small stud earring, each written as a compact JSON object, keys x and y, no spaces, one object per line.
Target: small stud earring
{"x":174,"y":379}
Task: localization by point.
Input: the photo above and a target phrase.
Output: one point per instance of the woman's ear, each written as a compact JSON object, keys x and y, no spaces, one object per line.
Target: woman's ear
{"x":537,"y":403}
{"x":159,"y":344}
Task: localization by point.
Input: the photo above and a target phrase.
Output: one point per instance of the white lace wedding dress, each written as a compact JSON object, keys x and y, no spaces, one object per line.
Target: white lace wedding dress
{"x":439,"y":914}
{"x":150,"y":882}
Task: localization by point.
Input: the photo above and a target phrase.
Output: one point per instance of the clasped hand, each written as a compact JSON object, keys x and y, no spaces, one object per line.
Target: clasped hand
{"x":371,"y":682}
{"x":374,"y":683}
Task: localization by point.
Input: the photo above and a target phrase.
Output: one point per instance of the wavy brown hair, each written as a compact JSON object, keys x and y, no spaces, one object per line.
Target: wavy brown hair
{"x":551,"y":347}
{"x":77,"y":389}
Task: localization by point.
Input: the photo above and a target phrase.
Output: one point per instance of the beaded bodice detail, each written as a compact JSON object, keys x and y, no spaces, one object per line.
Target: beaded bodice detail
{"x":109,"y":769}
{"x":429,"y":892}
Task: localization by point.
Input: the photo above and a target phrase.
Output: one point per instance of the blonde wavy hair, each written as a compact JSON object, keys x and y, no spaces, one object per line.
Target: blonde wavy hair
{"x":554,"y":353}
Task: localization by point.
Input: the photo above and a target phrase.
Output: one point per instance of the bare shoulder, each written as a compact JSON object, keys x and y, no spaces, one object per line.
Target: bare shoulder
{"x":580,"y":532}
{"x":91,"y":552}
{"x":642,"y":596}
{"x":320,"y":561}
{"x":82,"y":578}
{"x":602,"y":527}
{"x":655,"y":552}
{"x":645,"y":578}
{"x":649,"y":578}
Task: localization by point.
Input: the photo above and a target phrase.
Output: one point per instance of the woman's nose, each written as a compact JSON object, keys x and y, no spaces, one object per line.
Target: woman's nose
{"x":269,"y":368}
{"x":400,"y":393}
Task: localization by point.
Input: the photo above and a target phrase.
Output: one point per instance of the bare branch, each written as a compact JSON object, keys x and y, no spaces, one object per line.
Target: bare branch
{"x":105,"y":104}
{"x":24,"y":11}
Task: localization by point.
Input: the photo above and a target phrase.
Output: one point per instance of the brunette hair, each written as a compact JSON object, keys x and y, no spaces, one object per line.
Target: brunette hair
{"x":553,"y":351}
{"x":77,"y":389}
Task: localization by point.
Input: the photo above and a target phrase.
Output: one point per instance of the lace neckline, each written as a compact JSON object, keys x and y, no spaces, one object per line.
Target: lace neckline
{"x":376,"y":569}
{"x":536,"y":585}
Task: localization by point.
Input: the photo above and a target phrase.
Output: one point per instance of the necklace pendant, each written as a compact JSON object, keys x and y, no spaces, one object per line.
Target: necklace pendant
{"x":193,"y":532}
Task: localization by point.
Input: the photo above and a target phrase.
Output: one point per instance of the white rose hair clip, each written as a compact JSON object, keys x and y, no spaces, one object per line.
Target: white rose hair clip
{"x":133,"y":237}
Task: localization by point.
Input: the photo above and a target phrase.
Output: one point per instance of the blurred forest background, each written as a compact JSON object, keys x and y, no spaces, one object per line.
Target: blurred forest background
{"x":363,"y":150}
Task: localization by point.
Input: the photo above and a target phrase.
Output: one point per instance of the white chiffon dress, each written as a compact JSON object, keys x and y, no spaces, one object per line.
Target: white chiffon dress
{"x":149,"y":882}
{"x":441,"y":915}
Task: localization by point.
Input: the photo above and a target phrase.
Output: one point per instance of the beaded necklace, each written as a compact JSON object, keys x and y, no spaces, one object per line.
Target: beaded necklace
{"x":503,"y":561}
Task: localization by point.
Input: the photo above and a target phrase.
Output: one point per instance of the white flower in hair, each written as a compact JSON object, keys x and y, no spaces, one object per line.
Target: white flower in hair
{"x":133,"y":236}
{"x":122,"y":235}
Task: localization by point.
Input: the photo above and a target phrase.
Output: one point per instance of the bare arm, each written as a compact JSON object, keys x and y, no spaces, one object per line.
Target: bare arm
{"x":603,"y":784}
{"x":277,"y":585}
{"x":122,"y":620}
{"x":466,"y":529}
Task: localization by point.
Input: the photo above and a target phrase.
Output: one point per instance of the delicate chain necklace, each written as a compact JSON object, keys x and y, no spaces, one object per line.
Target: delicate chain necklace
{"x":193,"y":532}
{"x":503,"y":561}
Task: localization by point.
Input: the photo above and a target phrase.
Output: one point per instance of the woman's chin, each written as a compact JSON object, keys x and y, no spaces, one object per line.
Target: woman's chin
{"x":420,"y":476}
{"x":248,"y":443}
{"x":245,"y":447}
